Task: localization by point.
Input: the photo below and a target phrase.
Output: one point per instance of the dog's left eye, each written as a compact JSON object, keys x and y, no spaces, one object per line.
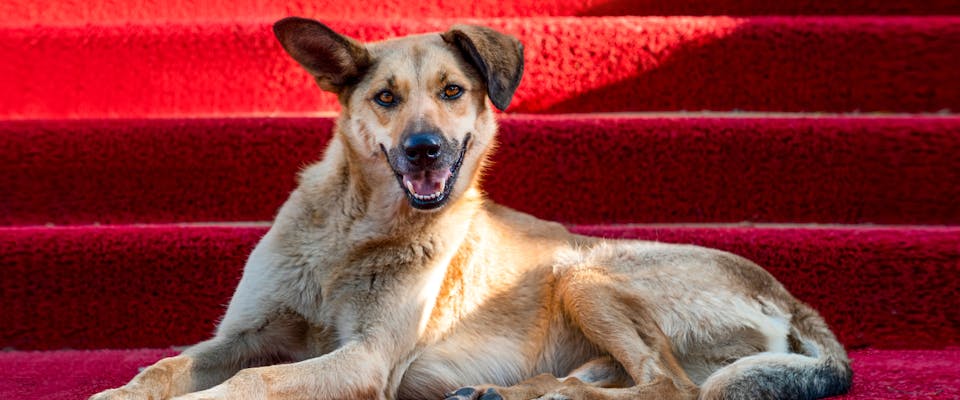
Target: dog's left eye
{"x":451,"y":92}
{"x":385,"y":98}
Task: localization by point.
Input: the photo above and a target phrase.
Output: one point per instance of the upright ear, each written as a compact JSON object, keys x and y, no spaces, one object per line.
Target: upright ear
{"x":333,"y":59}
{"x":498,"y":57}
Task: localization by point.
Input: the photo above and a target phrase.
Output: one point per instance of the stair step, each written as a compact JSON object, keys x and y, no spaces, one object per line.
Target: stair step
{"x":80,"y":12}
{"x":572,"y":168}
{"x":136,"y":286}
{"x":72,"y":374}
{"x":613,"y":64}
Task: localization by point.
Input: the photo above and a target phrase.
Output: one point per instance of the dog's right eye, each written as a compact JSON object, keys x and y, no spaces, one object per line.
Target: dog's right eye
{"x":385,"y":98}
{"x":452,"y":92}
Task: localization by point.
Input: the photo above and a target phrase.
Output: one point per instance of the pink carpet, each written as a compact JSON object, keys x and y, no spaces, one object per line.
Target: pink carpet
{"x":68,"y":375}
{"x":836,"y":64}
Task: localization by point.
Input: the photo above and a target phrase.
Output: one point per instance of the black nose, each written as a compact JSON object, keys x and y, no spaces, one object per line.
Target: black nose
{"x":422,"y":149}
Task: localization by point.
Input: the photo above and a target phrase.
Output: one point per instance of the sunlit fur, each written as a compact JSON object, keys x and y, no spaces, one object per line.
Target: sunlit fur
{"x":355,"y":294}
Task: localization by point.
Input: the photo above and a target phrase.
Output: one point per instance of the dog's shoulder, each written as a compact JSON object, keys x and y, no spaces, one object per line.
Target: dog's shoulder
{"x":506,"y":220}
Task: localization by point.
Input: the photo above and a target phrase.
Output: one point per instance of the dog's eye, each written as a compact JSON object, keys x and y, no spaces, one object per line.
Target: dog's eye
{"x":451,"y":92}
{"x":385,"y":98}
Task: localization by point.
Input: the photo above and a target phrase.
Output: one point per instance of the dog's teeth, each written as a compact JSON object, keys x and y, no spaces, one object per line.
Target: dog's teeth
{"x":410,"y":187}
{"x":425,"y":197}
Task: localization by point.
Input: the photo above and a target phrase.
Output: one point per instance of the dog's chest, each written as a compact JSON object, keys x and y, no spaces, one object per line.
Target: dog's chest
{"x":339,"y":287}
{"x":313,"y":283}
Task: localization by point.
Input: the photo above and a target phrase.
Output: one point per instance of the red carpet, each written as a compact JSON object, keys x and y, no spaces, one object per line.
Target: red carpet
{"x":835,"y":64}
{"x":165,"y":284}
{"x":82,"y":11}
{"x":826,"y":170}
{"x":143,"y":115}
{"x":68,"y":375}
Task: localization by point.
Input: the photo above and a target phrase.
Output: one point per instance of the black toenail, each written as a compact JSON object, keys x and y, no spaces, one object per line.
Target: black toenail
{"x":467,"y":391}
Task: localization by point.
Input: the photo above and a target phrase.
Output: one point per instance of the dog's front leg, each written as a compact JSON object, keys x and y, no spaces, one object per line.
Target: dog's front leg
{"x":213,"y":361}
{"x":355,"y":371}
{"x":377,"y":333}
{"x":258,"y":329}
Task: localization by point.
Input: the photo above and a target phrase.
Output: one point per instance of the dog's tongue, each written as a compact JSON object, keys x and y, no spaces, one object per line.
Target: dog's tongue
{"x":425,"y":183}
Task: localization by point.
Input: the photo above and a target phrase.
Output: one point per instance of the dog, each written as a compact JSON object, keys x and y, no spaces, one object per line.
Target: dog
{"x":387,"y":273}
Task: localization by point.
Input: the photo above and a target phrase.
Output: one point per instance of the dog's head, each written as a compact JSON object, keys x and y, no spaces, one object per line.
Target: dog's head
{"x":418,"y":102}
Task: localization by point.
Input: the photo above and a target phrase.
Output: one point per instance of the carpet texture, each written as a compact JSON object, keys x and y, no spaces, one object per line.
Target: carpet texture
{"x":83,"y":11}
{"x":161,"y":285}
{"x":70,"y":375}
{"x":573,"y":168}
{"x":136,"y":136}
{"x":904,"y":64}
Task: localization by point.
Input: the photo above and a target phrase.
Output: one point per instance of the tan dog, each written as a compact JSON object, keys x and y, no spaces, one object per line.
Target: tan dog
{"x":387,"y":274}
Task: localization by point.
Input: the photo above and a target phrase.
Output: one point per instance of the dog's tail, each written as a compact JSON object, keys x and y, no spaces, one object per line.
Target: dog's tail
{"x":817,"y":368}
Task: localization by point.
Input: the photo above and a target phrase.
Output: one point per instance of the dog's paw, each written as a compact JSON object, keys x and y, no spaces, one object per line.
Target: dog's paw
{"x":472,"y":393}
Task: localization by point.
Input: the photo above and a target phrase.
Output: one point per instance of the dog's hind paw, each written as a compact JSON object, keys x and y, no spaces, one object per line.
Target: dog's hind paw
{"x":469,"y":393}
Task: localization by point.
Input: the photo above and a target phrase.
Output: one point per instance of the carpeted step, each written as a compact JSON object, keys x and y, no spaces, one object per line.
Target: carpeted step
{"x":810,"y":64}
{"x":70,"y":375}
{"x":571,"y":168}
{"x":160,"y":285}
{"x":83,"y":12}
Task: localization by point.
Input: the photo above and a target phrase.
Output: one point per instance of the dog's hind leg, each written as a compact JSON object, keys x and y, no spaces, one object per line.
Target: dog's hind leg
{"x":641,"y":364}
{"x":616,"y":319}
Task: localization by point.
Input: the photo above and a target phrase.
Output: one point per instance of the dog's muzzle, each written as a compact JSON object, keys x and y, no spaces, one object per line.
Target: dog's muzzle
{"x":426,"y":166}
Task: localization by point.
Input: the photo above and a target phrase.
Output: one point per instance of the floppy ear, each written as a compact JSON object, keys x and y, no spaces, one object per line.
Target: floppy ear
{"x":498,"y":57}
{"x":333,"y":59}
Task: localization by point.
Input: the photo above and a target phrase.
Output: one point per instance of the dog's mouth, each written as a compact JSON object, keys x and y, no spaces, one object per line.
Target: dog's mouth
{"x":429,"y":189}
{"x":426,"y":187}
